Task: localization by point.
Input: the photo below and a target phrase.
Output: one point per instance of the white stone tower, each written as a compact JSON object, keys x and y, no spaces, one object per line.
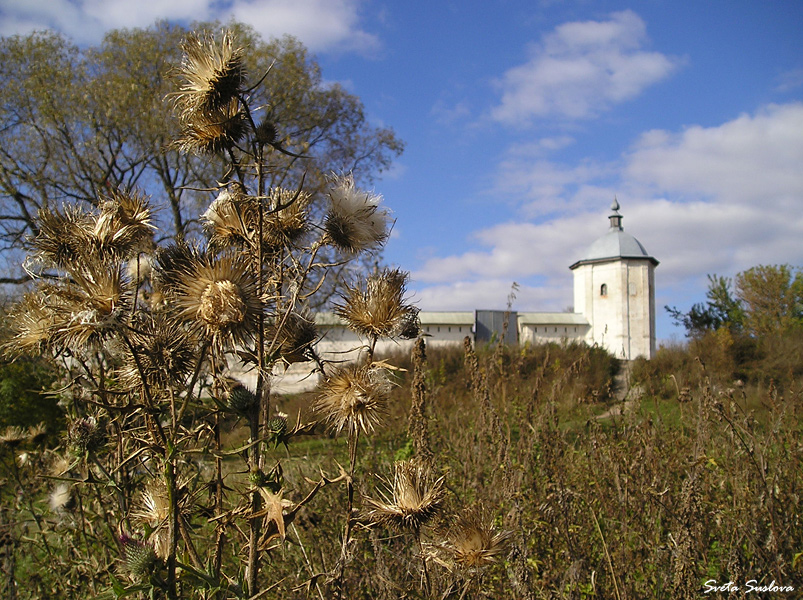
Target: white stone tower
{"x":614,"y":288}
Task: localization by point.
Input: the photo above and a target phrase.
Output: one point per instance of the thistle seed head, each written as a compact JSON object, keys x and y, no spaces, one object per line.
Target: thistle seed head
{"x":166,"y":355}
{"x":31,"y":322}
{"x":375,"y":307}
{"x":230,"y":219}
{"x":213,"y":132}
{"x":355,"y":221}
{"x":286,"y":226}
{"x":12,"y":436}
{"x":219,"y":296}
{"x":297,"y":333}
{"x":413,"y":499}
{"x":124,"y":227}
{"x":211,"y":74}
{"x":266,"y":132}
{"x":354,"y":398}
{"x":63,"y":238}
{"x":37,"y":434}
{"x":472,"y":542}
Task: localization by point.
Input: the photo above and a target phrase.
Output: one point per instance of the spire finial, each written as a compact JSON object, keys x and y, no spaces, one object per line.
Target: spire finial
{"x":615,"y":217}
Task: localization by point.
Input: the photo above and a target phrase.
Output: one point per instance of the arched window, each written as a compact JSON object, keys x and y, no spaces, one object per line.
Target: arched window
{"x":603,"y":290}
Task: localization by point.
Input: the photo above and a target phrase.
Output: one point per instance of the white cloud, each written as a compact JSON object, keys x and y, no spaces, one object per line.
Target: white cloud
{"x":582,"y":68}
{"x":493,"y":294}
{"x":790,"y":80}
{"x":323,"y":25}
{"x":320,"y":24}
{"x":543,"y":187}
{"x":752,"y":159}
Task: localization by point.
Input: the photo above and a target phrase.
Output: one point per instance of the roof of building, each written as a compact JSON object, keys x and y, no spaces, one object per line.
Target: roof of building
{"x":465,"y":317}
{"x":330,"y":319}
{"x":615,"y":244}
{"x":551,"y":318}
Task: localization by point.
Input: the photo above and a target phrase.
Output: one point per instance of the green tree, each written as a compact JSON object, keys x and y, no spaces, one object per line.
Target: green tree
{"x":763,"y":300}
{"x":772,"y":299}
{"x":81,"y":121}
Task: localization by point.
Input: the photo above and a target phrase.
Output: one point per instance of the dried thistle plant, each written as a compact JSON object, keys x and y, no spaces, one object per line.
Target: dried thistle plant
{"x":354,"y":398}
{"x":211,"y":75}
{"x":355,"y":221}
{"x":376,"y":307}
{"x":219,"y":295}
{"x":472,"y":541}
{"x":166,"y":354}
{"x":146,"y":332}
{"x":413,"y":499}
{"x":296,"y":333}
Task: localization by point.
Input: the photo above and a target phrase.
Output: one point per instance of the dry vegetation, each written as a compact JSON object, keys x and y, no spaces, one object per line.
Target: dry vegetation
{"x":528,"y":494}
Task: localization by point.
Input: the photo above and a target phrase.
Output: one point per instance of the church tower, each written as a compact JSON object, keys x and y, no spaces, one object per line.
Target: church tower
{"x":614,"y":289}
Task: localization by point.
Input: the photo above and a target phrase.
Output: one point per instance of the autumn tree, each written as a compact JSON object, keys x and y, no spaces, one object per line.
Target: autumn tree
{"x":78,"y":122}
{"x":772,"y":299}
{"x":763,"y":300}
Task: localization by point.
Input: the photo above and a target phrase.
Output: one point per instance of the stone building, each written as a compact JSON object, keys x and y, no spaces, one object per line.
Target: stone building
{"x":614,"y":307}
{"x":614,"y":290}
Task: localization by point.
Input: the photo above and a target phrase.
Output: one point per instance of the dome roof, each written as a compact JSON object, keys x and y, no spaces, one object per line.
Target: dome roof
{"x":614,"y":244}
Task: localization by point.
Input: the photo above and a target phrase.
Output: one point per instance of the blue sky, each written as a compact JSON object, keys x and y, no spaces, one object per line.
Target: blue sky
{"x":523,"y":119}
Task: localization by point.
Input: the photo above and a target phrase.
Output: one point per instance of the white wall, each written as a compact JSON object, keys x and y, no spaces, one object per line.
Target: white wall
{"x":622,"y":320}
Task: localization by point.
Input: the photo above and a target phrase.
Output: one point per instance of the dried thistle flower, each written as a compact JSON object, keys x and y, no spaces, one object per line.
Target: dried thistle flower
{"x":354,"y":398}
{"x":375,"y":307}
{"x":166,"y":355}
{"x":124,"y":227}
{"x":85,"y":434}
{"x":172,"y":263}
{"x":213,"y":132}
{"x":219,"y":296}
{"x":212,"y":74}
{"x":155,"y":504}
{"x":288,"y":222}
{"x":86,"y":312}
{"x":63,"y":238}
{"x":413,"y":499}
{"x":472,"y":541}
{"x":37,"y":434}
{"x":31,"y":322}
{"x":296,"y":334}
{"x":12,"y":436}
{"x":155,"y":512}
{"x":266,"y":132}
{"x":228,"y":220}
{"x":355,"y":221}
